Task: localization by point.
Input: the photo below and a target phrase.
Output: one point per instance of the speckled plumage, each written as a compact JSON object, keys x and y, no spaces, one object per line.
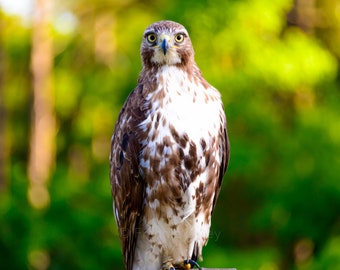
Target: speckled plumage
{"x":169,"y":153}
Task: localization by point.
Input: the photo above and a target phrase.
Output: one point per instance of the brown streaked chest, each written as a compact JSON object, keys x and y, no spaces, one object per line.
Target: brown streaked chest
{"x":182,"y":126}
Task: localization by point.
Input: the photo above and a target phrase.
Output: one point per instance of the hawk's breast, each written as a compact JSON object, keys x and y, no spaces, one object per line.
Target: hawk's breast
{"x":183,"y":124}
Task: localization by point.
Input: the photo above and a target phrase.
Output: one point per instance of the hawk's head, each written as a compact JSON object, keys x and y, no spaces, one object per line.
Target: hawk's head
{"x":166,"y":43}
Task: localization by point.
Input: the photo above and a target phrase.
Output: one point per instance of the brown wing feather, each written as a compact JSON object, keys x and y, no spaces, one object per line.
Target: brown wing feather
{"x":225,"y":153}
{"x":127,"y":184}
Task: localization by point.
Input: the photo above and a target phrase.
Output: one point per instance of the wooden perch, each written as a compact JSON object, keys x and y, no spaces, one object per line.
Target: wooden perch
{"x":217,"y":268}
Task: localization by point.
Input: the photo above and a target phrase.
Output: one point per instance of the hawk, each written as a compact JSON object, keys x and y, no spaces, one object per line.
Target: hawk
{"x":169,"y":154}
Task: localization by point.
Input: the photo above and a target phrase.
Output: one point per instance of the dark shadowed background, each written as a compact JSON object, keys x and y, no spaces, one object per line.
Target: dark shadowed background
{"x":66,"y":68}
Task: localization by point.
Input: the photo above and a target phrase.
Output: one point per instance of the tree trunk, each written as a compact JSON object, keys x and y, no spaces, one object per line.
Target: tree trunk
{"x":3,"y":150}
{"x":43,"y":126}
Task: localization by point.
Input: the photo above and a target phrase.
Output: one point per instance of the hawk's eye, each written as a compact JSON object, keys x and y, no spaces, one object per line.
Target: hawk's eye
{"x":179,"y":38}
{"x":151,"y":37}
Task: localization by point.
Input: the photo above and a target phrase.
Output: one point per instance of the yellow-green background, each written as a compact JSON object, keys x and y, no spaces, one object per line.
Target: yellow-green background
{"x":276,"y":64}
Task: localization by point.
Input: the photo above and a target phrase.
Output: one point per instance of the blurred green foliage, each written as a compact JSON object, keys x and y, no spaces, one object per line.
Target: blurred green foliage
{"x":276,"y":64}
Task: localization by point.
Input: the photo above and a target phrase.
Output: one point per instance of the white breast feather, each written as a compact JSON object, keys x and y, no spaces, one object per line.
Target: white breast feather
{"x":189,"y":113}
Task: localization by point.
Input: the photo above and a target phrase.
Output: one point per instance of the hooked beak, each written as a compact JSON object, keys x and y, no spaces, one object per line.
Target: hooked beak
{"x":164,"y":43}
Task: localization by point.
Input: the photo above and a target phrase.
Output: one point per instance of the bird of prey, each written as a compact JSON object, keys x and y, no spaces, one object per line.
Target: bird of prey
{"x":169,"y":154}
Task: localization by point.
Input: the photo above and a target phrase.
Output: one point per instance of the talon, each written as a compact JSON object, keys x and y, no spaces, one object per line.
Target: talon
{"x":168,"y":266}
{"x":183,"y":265}
{"x":189,"y":264}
